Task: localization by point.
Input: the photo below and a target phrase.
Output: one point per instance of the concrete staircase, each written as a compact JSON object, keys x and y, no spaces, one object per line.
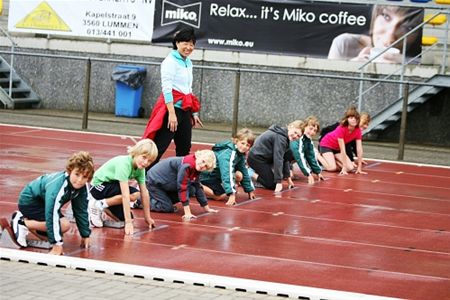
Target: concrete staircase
{"x":417,"y":97}
{"x":14,"y":91}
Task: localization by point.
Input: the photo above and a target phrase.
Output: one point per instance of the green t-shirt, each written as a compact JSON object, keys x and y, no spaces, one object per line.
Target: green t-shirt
{"x":118,"y":168}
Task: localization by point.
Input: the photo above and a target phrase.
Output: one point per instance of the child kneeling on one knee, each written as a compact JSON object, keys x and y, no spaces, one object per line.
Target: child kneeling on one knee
{"x":111,"y":192}
{"x":41,"y":200}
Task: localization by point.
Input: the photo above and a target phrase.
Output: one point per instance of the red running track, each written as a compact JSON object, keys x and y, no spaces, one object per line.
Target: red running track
{"x":386,"y":233}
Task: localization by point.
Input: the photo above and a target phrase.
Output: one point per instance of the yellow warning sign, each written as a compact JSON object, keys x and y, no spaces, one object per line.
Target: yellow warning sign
{"x":43,"y":17}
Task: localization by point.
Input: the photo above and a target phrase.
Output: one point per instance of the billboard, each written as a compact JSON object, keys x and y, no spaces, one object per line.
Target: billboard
{"x":105,"y":19}
{"x":319,"y":29}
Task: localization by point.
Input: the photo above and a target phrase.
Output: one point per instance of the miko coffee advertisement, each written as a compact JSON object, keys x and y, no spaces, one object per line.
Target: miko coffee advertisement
{"x":319,"y":29}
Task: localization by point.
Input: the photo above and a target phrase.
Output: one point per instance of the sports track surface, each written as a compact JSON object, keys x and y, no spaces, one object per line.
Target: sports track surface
{"x":386,"y":233}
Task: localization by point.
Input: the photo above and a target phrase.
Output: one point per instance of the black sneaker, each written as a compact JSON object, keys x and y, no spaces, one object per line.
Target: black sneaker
{"x":19,"y":228}
{"x":138,"y":204}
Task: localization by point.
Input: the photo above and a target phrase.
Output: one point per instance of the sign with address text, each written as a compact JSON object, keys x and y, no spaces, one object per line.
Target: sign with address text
{"x":106,"y":19}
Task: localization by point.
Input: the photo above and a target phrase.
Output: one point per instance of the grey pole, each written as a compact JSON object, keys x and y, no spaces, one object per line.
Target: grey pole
{"x":236,"y":103}
{"x":11,"y":68}
{"x":401,"y":144}
{"x":87,"y":85}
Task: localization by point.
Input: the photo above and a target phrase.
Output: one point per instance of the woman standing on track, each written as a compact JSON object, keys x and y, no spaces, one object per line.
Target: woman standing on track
{"x":176,"y":110}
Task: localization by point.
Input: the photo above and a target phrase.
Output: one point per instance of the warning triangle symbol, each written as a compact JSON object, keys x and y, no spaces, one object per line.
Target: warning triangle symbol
{"x":43,"y":17}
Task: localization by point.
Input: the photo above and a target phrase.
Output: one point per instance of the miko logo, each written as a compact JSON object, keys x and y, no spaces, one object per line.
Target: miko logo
{"x":189,"y":14}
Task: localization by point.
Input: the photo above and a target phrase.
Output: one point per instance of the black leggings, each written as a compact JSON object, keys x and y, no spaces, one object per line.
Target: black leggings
{"x":182,"y":137}
{"x":264,"y":171}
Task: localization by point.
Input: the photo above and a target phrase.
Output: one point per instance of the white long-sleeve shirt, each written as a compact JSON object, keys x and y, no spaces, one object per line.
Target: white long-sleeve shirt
{"x":176,"y":73}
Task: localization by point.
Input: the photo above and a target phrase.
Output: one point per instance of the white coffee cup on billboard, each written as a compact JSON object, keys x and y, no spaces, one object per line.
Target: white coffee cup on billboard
{"x":375,"y":51}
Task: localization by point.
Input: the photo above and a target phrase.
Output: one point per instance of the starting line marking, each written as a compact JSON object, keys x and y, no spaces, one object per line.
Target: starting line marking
{"x":201,"y":215}
{"x":371,"y":165}
{"x":139,"y":233}
{"x":288,"y":189}
{"x":278,"y":194}
{"x":79,"y":250}
{"x":278,"y":213}
{"x":234,"y":228}
{"x":179,"y":247}
{"x":248,"y":201}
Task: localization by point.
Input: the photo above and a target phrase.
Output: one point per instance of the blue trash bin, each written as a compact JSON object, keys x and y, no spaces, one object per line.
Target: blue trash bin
{"x":129,"y":86}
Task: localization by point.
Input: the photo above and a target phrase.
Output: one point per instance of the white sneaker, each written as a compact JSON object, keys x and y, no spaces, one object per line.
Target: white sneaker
{"x":95,"y":213}
{"x":19,"y":228}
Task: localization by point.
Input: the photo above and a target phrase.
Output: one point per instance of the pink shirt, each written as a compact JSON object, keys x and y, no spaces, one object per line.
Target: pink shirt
{"x":330,"y":140}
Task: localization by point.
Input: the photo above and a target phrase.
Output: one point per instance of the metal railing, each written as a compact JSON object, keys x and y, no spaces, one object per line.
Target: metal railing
{"x":237,"y":70}
{"x":11,"y":64}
